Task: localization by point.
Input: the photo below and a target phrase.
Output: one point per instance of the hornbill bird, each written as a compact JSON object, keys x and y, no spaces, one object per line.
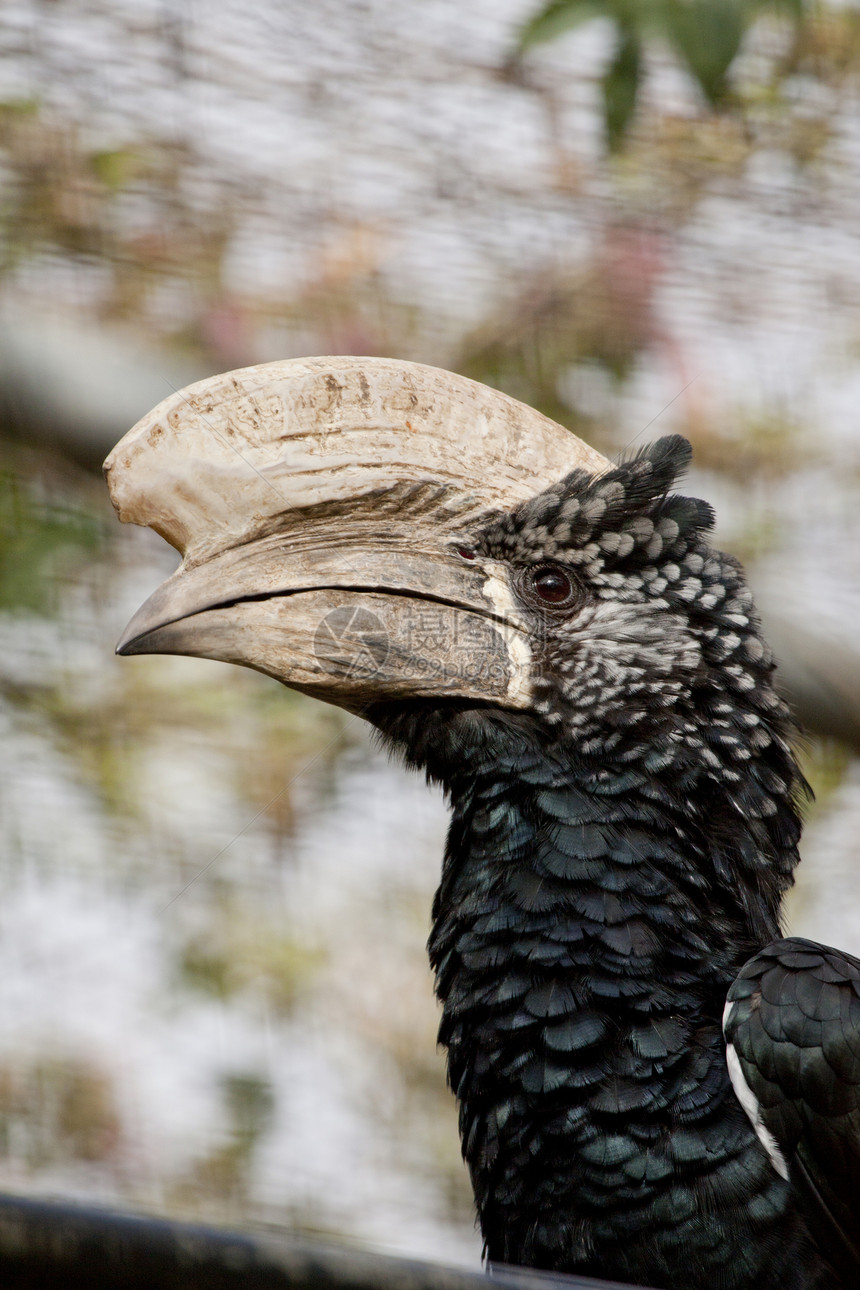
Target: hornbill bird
{"x":653,"y":1085}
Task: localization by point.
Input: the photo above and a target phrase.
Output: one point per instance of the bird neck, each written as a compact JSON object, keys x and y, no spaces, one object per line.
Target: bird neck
{"x":618,"y":893}
{"x":707,"y":856}
{"x":590,"y":917}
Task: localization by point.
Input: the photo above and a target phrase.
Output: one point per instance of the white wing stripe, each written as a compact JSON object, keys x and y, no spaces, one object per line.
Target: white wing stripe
{"x":749,"y":1102}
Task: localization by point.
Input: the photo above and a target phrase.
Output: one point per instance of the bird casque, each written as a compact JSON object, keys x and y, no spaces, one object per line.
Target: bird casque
{"x":551,"y":638}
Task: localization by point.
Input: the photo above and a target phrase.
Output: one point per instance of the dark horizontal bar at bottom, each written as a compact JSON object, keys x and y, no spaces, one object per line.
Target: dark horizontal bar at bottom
{"x":56,"y":1245}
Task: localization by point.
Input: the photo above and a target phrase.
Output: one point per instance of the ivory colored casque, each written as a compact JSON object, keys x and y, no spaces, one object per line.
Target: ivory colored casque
{"x":320,"y":506}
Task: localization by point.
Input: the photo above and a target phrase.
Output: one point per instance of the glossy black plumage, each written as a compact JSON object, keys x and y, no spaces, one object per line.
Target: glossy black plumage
{"x":794,"y":1020}
{"x":616,"y":854}
{"x":585,"y":675}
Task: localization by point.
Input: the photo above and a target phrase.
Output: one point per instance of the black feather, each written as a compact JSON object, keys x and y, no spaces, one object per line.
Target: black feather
{"x":617,"y":852}
{"x":808,"y":1085}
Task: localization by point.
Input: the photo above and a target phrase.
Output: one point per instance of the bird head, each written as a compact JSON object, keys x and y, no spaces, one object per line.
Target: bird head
{"x":399,"y":540}
{"x":328,"y":513}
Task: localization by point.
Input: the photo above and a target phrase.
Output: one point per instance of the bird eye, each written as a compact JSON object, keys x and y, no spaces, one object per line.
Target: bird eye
{"x":465,"y":553}
{"x":550,"y":584}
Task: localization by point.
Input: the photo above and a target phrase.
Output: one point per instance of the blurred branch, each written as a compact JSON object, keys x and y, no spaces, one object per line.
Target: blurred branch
{"x":818,"y":670}
{"x":78,"y":388}
{"x":53,"y":1246}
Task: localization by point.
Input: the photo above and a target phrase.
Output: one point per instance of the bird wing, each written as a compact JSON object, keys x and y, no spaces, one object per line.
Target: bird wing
{"x":792,"y":1028}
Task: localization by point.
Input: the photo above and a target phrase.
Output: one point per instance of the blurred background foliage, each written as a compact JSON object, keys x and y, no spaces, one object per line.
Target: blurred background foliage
{"x":705,"y":35}
{"x":638,"y":217}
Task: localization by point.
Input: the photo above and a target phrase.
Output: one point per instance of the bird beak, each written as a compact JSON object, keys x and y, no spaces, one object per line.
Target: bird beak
{"x":323,"y":509}
{"x":347,"y":623}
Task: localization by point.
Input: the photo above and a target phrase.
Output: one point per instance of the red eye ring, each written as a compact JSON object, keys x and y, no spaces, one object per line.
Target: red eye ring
{"x":465,"y":553}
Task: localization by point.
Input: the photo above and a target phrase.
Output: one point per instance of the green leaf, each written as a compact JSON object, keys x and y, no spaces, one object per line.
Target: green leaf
{"x":708,"y":34}
{"x":559,"y":16}
{"x":620,"y":85}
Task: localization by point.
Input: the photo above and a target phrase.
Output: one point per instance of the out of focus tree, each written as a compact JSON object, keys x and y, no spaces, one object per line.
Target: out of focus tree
{"x":706,"y":35}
